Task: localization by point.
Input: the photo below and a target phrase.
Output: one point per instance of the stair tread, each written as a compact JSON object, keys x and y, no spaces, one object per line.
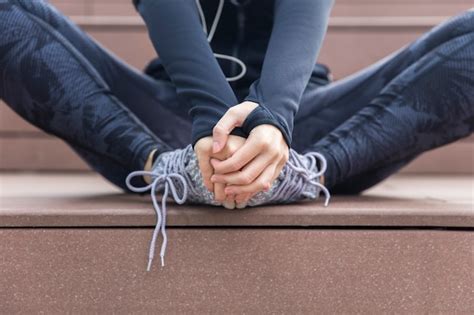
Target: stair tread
{"x":85,"y":199}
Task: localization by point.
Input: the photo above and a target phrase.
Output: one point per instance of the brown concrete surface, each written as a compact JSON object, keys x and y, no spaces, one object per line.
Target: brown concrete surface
{"x":87,"y":200}
{"x":72,"y":243}
{"x":237,"y":271}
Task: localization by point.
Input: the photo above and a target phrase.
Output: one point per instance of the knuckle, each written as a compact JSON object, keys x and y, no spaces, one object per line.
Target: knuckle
{"x":263,"y":145}
{"x":232,"y":149}
{"x":236,"y":115}
{"x":219,"y":129}
{"x":262,"y":184}
{"x":246,"y":178}
{"x":275,"y":153}
{"x":232,"y":111}
{"x":267,"y":144}
{"x":234,"y":166}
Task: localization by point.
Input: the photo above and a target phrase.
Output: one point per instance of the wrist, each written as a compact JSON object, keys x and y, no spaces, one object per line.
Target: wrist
{"x":261,"y":116}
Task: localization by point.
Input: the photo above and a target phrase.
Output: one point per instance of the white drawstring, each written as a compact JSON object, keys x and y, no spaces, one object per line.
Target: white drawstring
{"x":288,"y":187}
{"x":160,"y":212}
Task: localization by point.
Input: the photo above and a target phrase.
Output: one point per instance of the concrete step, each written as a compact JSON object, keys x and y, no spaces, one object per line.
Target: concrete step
{"x":75,"y":199}
{"x":73,"y":243}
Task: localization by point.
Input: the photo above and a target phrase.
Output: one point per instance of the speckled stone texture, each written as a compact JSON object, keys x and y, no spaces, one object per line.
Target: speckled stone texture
{"x":236,"y":271}
{"x":74,"y":244}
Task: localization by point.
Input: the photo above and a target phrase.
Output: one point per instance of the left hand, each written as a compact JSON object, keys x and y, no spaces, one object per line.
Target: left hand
{"x":203,"y":150}
{"x":255,"y":165}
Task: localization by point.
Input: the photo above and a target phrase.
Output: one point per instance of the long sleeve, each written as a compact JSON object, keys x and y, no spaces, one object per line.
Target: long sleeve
{"x":298,"y":31}
{"x":176,"y":33}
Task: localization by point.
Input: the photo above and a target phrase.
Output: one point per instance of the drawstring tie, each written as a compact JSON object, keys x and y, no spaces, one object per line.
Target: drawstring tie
{"x":174,"y":166}
{"x":288,"y":186}
{"x":160,"y":212}
{"x":158,"y":180}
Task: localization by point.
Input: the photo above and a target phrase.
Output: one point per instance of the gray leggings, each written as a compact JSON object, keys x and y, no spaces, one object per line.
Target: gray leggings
{"x":367,"y":126}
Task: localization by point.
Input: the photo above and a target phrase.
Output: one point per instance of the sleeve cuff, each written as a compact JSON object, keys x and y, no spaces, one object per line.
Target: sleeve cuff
{"x":259,"y":116}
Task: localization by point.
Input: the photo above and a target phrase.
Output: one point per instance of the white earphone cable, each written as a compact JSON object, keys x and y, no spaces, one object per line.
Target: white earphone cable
{"x":217,"y":17}
{"x":210,"y":35}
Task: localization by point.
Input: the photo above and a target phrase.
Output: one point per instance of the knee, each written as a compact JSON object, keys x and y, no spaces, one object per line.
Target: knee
{"x":16,"y":21}
{"x":468,"y":16}
{"x":19,"y":35}
{"x":464,"y":22}
{"x":13,"y":13}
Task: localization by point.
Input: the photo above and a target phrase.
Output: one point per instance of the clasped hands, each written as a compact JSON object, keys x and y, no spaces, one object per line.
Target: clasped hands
{"x":236,"y":168}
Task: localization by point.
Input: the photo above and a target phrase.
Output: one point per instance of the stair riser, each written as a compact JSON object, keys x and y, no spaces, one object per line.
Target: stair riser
{"x":243,"y":270}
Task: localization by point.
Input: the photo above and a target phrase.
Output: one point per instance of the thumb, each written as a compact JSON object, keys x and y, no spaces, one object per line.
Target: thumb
{"x":223,"y":128}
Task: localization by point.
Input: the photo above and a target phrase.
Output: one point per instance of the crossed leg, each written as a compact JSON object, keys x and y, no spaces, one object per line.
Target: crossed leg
{"x":373,"y":123}
{"x":60,"y":80}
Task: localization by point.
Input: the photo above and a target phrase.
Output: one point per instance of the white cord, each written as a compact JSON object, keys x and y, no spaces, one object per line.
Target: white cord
{"x":201,"y":16}
{"x":237,"y":61}
{"x":212,"y":31}
{"x":210,"y":35}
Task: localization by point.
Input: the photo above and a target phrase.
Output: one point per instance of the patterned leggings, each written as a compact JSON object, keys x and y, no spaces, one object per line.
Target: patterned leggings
{"x":368,"y":125}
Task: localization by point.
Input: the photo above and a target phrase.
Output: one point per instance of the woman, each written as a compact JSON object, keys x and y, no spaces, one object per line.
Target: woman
{"x":356,"y":131}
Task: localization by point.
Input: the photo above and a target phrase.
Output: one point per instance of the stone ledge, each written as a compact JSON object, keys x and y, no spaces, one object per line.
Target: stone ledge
{"x":86,"y":200}
{"x":236,"y":271}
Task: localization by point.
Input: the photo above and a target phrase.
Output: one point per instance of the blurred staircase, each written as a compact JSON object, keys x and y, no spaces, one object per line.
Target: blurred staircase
{"x":360,"y":33}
